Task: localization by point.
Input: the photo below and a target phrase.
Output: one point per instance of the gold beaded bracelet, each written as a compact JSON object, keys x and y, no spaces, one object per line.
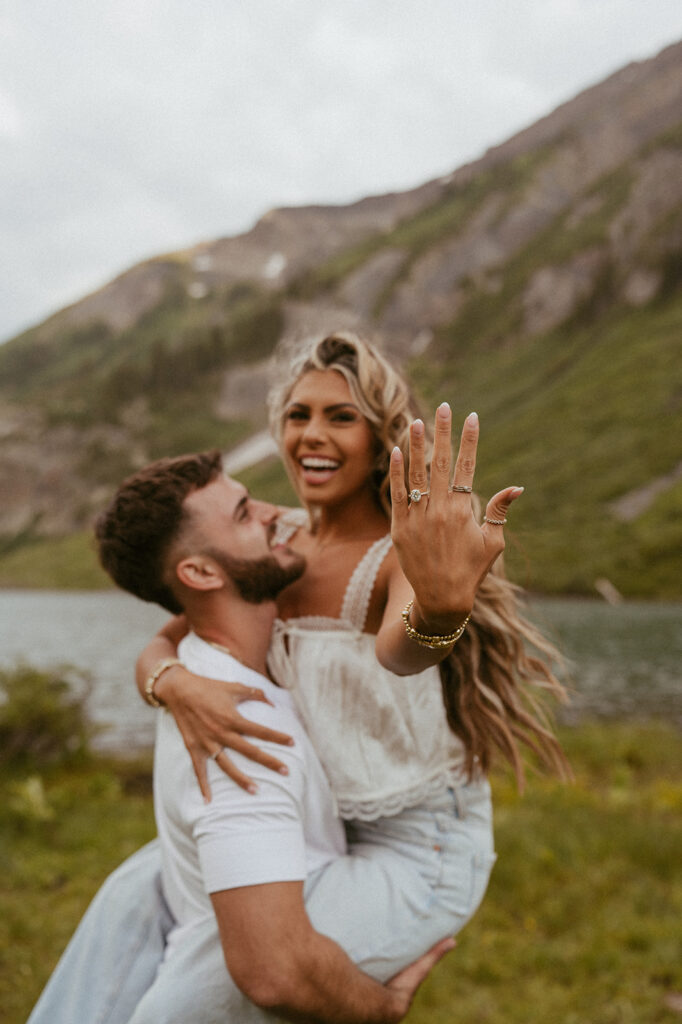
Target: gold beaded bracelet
{"x":161,"y":667}
{"x":435,"y":642}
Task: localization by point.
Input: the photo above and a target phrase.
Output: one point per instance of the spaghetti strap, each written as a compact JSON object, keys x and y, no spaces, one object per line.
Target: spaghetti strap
{"x":360,"y":586}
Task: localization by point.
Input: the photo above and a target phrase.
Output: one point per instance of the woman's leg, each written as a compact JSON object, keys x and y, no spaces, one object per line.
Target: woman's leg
{"x":411,"y":880}
{"x":116,"y":950}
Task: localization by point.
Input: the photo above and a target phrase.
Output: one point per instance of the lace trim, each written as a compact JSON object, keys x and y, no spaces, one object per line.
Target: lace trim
{"x":388,"y":806}
{"x":359,"y":590}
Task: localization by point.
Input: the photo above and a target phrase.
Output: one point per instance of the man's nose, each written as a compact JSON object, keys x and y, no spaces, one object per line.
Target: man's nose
{"x":266,"y":512}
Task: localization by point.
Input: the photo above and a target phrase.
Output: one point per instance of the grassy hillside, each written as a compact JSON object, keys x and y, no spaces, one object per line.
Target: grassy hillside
{"x":548,"y":276}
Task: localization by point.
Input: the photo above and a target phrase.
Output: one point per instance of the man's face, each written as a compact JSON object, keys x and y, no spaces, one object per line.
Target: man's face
{"x":237,"y":532}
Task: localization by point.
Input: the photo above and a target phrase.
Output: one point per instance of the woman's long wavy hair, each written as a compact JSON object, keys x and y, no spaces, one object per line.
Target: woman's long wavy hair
{"x":497,"y":675}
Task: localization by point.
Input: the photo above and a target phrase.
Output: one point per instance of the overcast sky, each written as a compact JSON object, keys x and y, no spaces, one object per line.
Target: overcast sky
{"x":129,"y":128}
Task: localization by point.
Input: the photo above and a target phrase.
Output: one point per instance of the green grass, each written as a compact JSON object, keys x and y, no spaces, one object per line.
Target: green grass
{"x":54,"y":563}
{"x":580,"y":924}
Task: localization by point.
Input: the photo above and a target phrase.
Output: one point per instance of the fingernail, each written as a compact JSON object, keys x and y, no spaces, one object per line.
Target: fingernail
{"x":252,"y":788}
{"x":472,"y":418}
{"x":291,"y":742}
{"x":418,"y":428}
{"x":443,"y":409}
{"x":518,"y":491}
{"x":395,"y":454}
{"x":283,"y":770}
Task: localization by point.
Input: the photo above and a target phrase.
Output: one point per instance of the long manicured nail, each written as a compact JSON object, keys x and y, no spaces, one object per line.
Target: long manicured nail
{"x":418,"y":428}
{"x":472,"y":418}
{"x":518,"y":491}
{"x":252,"y":788}
{"x":283,"y":770}
{"x":443,"y":410}
{"x":395,"y":454}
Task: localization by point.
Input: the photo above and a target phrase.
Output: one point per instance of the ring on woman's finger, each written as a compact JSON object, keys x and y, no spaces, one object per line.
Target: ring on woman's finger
{"x":461,"y":488}
{"x":217,"y":754}
{"x":494,"y":522}
{"x":417,"y":496}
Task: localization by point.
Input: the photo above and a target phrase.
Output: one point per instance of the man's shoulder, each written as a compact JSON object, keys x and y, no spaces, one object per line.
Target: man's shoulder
{"x":280,"y":714}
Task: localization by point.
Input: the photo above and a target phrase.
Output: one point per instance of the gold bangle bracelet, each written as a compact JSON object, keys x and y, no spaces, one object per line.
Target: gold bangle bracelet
{"x":436,"y":643}
{"x":161,"y":667}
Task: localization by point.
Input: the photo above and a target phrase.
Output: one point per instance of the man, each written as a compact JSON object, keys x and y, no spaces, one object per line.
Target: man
{"x":185,"y":535}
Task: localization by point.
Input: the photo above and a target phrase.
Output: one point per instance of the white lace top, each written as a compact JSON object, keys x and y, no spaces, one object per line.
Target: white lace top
{"x":383,"y":739}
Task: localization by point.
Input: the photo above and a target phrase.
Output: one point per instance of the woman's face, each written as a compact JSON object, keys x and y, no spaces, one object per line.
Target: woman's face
{"x":328,"y":442}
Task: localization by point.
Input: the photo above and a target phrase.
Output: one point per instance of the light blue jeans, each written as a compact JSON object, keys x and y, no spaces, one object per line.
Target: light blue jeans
{"x":406,"y":882}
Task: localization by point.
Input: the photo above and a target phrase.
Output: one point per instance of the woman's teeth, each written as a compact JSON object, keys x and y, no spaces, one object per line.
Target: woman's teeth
{"x":319,"y":465}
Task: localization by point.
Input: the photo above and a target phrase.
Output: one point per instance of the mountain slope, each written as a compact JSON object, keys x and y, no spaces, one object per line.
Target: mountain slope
{"x":539,"y":284}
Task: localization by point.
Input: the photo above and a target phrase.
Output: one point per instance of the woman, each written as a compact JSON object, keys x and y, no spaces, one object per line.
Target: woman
{"x":394,"y":587}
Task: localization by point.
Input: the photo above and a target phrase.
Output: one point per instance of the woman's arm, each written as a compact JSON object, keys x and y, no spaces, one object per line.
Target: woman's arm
{"x":443,"y":552}
{"x":206,"y":715}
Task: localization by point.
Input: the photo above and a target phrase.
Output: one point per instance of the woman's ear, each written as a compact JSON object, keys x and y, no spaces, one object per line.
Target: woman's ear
{"x":199,"y":572}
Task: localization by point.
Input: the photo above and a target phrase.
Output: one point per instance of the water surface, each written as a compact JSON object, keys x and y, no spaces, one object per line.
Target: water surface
{"x":624,"y":660}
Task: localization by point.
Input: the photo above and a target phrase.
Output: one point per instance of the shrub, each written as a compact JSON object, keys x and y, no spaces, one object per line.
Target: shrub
{"x":43,"y":718}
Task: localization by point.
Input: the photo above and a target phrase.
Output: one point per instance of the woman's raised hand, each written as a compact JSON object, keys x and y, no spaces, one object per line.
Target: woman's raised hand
{"x":443,"y":551}
{"x":206,"y":714}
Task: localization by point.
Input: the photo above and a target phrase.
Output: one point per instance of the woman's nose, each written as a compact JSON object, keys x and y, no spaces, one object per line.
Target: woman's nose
{"x":314,"y":429}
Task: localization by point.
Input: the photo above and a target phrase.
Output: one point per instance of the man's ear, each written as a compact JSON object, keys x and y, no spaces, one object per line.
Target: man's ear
{"x":198,"y":572}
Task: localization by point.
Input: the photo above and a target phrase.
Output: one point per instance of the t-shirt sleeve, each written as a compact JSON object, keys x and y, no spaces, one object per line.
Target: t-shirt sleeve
{"x":253,"y":839}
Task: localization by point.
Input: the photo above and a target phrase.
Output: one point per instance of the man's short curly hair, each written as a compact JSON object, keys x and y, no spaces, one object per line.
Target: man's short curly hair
{"x":135,"y":532}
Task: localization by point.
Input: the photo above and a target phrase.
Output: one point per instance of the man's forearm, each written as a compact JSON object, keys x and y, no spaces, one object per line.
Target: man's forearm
{"x":308,"y":977}
{"x":326,"y":987}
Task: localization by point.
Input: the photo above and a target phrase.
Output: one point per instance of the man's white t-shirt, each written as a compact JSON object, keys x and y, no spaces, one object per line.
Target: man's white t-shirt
{"x":281,"y":834}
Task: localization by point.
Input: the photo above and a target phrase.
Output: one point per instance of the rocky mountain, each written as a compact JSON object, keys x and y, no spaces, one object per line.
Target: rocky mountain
{"x":539,"y":284}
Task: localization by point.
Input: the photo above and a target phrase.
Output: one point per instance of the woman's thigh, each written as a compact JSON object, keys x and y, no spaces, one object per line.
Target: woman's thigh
{"x":407,"y":882}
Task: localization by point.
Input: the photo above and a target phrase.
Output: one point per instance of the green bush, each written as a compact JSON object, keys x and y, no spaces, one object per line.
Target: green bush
{"x":43,"y":718}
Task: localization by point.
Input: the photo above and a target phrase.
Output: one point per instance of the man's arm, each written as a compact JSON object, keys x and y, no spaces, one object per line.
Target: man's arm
{"x":282,"y":964}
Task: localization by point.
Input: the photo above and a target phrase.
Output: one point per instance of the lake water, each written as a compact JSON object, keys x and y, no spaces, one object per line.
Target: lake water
{"x":624,"y":660}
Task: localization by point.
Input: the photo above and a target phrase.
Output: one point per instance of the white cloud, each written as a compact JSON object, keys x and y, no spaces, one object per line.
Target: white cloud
{"x":129,"y":128}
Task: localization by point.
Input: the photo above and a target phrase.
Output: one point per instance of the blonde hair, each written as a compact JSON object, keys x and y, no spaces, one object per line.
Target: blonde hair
{"x":492,"y":684}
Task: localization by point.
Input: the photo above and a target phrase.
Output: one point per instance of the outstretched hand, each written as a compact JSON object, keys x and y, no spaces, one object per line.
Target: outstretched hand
{"x":443,"y":551}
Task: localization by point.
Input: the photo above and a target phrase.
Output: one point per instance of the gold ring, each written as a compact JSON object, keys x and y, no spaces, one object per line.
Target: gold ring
{"x":461,"y":488}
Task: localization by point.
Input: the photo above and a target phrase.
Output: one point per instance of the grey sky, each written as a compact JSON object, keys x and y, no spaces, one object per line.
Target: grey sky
{"x":133,"y":127}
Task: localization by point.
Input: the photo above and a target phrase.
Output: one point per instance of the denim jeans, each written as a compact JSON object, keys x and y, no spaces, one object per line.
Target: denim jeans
{"x":406,"y":882}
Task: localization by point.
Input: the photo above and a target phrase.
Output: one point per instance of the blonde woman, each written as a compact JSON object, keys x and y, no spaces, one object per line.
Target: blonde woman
{"x":402,"y":644}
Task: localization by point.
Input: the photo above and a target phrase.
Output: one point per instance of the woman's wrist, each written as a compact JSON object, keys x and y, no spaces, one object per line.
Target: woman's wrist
{"x":161,"y":683}
{"x":428,"y":635}
{"x":438,"y":622}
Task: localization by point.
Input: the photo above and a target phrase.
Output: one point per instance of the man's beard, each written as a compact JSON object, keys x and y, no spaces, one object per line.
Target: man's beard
{"x":259,"y":579}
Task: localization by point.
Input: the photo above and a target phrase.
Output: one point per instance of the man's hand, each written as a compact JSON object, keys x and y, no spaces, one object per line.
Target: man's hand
{"x":406,"y":983}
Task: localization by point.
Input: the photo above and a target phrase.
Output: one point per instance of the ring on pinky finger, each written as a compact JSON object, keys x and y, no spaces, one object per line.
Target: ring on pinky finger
{"x":494,"y":522}
{"x":217,"y":754}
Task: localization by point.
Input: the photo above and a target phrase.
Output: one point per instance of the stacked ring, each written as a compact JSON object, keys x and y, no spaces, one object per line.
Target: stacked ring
{"x":461,"y":488}
{"x":494,"y":522}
